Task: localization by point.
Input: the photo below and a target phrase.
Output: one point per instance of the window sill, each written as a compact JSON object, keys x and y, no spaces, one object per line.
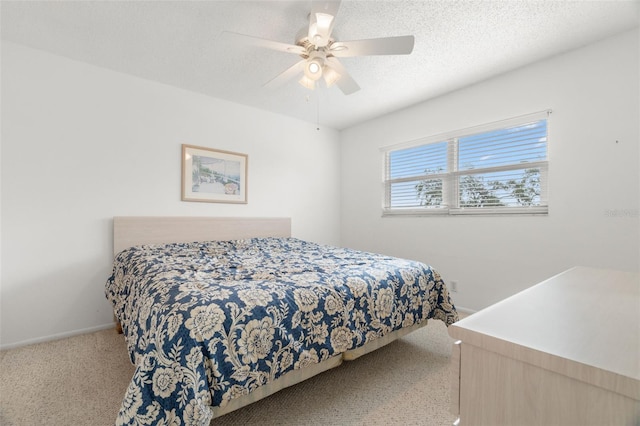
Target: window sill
{"x":415,"y":212}
{"x":511,"y":211}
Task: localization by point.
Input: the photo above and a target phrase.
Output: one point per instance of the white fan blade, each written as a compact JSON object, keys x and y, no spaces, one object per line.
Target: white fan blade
{"x":285,"y":76}
{"x":261,"y":42}
{"x":401,"y":45}
{"x":321,"y":21}
{"x":347,"y":84}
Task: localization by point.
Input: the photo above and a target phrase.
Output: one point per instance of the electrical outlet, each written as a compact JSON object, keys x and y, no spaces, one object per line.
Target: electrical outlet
{"x":454,"y":286}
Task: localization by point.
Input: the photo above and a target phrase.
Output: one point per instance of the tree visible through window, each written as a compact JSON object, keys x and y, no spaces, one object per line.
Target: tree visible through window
{"x":497,"y":170}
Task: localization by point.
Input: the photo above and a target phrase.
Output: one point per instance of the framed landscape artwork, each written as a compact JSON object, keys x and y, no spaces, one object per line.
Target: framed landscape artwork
{"x":214,"y":176}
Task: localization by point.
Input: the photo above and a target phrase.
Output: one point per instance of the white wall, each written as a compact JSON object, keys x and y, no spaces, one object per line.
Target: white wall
{"x":81,"y":144}
{"x":594,"y":171}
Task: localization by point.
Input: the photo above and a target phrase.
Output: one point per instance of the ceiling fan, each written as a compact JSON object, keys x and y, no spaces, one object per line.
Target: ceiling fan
{"x":320,"y":51}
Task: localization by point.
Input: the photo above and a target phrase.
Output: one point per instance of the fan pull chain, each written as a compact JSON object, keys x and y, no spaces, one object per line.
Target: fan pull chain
{"x":318,"y":113}
{"x":308,"y":99}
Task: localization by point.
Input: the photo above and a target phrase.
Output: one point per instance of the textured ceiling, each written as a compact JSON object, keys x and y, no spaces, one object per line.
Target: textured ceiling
{"x":177,"y":43}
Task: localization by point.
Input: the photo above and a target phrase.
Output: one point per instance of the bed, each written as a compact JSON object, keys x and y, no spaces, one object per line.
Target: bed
{"x":221,"y":312}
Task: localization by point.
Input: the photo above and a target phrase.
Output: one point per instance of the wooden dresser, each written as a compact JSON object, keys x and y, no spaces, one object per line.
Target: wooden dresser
{"x":563,"y":352}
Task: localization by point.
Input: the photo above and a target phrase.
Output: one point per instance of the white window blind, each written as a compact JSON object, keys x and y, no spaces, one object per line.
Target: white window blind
{"x":417,"y":171}
{"x":497,"y":168}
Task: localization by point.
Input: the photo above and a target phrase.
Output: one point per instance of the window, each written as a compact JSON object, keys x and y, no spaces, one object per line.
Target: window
{"x":496,"y":168}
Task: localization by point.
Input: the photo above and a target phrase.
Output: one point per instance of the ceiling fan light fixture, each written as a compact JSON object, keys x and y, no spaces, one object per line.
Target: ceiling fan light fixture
{"x":313,"y":67}
{"x":330,"y":76}
{"x":307,"y":82}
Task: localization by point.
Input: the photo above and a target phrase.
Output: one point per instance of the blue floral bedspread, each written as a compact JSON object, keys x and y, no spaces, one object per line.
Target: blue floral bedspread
{"x":208,"y":322}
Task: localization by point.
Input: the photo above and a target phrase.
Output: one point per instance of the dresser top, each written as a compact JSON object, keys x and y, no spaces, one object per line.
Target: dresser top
{"x":583,"y":315}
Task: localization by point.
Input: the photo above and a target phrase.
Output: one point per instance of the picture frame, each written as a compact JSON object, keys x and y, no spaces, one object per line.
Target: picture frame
{"x":213,"y":176}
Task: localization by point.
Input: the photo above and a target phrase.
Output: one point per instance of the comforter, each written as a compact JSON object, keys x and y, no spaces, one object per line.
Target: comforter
{"x":208,"y":322}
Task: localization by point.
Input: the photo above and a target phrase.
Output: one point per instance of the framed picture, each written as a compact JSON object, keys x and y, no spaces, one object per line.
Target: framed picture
{"x":214,"y":176}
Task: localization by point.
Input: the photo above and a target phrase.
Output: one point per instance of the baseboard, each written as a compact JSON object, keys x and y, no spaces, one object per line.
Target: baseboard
{"x":55,"y":336}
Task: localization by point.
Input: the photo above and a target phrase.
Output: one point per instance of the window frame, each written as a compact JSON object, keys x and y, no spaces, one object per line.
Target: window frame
{"x":450,"y":178}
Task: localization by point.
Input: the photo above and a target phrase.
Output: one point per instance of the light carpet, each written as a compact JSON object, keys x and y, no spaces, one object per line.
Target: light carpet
{"x":81,"y":381}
